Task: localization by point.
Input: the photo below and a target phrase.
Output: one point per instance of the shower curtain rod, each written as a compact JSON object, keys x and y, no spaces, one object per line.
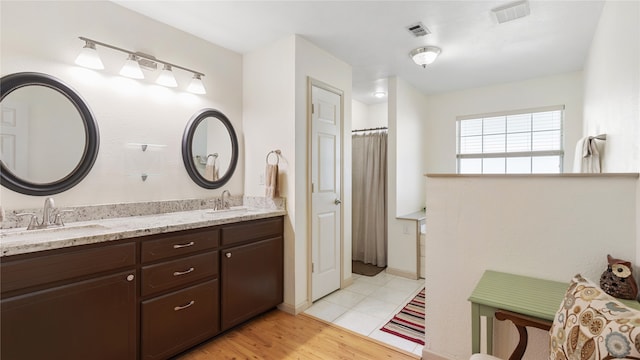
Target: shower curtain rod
{"x":371,"y":129}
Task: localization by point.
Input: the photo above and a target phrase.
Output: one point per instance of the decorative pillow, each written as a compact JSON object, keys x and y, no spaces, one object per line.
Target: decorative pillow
{"x":593,"y":325}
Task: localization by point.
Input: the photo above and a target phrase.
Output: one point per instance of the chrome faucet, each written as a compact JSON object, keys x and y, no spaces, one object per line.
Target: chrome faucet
{"x":47,"y":216}
{"x":46,"y":212}
{"x":219,"y":203}
{"x":225,"y":204}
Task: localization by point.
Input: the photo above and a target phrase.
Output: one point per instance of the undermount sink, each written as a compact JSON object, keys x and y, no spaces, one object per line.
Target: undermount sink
{"x":232,"y":211}
{"x":71,"y":229}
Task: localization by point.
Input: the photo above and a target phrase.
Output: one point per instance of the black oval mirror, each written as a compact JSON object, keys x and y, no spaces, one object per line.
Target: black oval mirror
{"x":210,"y":149}
{"x":49,"y":137}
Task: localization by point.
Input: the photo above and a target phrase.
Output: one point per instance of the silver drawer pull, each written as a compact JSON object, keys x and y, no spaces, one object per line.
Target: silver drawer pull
{"x":178,"y":273}
{"x":179,"y":246}
{"x":228,"y":255}
{"x":178,"y":308}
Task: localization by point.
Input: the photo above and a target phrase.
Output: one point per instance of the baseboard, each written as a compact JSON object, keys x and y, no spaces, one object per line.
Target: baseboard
{"x":428,"y":355}
{"x":346,"y":282}
{"x":402,"y":273}
{"x":294,"y":310}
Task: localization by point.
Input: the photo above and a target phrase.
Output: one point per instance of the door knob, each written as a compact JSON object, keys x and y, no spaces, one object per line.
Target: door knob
{"x":337,"y":202}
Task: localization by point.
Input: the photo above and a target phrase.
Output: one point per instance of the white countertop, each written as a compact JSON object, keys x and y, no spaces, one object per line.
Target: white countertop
{"x":22,"y":241}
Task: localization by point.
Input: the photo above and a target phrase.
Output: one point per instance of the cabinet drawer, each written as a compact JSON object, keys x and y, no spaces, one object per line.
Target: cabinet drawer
{"x":166,"y":275}
{"x":179,"y":243}
{"x":254,"y":230}
{"x":45,"y":269}
{"x":179,"y":320}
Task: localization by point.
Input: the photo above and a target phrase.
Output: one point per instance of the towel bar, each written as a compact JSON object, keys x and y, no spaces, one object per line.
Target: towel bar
{"x":277,"y":152}
{"x":202,"y":161}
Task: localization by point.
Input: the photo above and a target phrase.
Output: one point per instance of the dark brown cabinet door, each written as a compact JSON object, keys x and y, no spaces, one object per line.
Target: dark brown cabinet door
{"x":251,"y":280}
{"x":92,"y":319}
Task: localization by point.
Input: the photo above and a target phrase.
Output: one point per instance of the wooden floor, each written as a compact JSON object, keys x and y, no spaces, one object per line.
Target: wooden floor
{"x":278,"y":335}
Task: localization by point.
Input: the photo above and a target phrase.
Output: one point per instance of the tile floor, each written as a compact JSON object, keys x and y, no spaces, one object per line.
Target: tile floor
{"x":367,"y":304}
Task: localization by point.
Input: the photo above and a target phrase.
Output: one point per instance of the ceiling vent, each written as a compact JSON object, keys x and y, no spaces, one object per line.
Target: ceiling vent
{"x":512,"y":11}
{"x":418,"y":29}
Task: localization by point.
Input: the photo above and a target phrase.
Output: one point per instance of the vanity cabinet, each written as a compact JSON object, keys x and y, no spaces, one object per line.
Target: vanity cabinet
{"x":180,"y":291}
{"x":70,"y":304}
{"x":150,"y":297}
{"x":251,"y":267}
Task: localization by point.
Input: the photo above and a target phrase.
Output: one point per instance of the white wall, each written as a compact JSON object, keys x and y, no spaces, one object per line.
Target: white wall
{"x":379,"y":115}
{"x":368,"y":116}
{"x":549,"y":227}
{"x":275,"y":104}
{"x":406,"y":152}
{"x":43,"y":37}
{"x":612,"y":86}
{"x":359,"y":115}
{"x":440,"y":137}
{"x":269,"y":123}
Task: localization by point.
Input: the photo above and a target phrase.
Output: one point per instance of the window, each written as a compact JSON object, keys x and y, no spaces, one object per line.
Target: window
{"x":518,"y":142}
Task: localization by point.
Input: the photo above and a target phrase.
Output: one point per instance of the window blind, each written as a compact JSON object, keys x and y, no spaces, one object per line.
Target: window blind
{"x":517,"y":142}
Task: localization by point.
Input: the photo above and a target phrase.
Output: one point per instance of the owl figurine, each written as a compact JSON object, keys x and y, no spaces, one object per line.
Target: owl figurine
{"x":618,"y":280}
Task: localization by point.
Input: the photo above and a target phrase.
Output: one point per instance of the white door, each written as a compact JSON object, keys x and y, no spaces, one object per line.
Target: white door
{"x":14,"y":135}
{"x":326,"y":206}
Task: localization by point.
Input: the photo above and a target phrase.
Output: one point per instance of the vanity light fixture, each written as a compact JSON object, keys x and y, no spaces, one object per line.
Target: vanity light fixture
{"x":89,"y":58}
{"x":424,"y":56}
{"x":131,"y":68}
{"x":196,"y":86}
{"x":166,"y":77}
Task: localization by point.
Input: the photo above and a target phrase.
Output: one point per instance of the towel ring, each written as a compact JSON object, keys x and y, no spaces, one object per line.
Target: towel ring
{"x":277,"y":152}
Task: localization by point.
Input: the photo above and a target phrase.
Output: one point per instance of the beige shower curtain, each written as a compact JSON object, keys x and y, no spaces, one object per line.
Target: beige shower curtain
{"x":369,"y":217}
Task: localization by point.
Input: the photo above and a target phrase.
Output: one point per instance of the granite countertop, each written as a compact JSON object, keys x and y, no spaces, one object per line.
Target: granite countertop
{"x":22,"y":241}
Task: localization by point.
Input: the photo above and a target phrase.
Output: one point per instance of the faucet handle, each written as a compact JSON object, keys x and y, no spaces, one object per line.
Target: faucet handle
{"x":33,"y":221}
{"x":59,"y":215}
{"x":215,"y":204}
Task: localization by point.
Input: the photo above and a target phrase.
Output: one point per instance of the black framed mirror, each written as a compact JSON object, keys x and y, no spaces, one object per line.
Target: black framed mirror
{"x":210,"y":149}
{"x":49,"y":138}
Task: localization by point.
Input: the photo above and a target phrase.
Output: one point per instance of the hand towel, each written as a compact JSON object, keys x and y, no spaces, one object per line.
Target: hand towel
{"x":587,"y":156}
{"x":271,"y":181}
{"x":211,"y":170}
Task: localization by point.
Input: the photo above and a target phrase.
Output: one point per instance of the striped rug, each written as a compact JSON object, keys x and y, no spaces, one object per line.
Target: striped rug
{"x":409,"y":322}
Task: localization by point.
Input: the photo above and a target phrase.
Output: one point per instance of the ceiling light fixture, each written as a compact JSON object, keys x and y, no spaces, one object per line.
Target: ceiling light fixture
{"x":89,"y":58}
{"x":424,"y":56}
{"x":379,"y":94}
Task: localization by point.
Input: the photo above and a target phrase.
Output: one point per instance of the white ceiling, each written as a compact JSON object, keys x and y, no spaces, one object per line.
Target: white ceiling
{"x":372,"y":36}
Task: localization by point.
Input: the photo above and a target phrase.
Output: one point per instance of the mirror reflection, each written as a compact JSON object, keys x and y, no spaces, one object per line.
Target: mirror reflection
{"x":42,"y":135}
{"x":211,"y":149}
